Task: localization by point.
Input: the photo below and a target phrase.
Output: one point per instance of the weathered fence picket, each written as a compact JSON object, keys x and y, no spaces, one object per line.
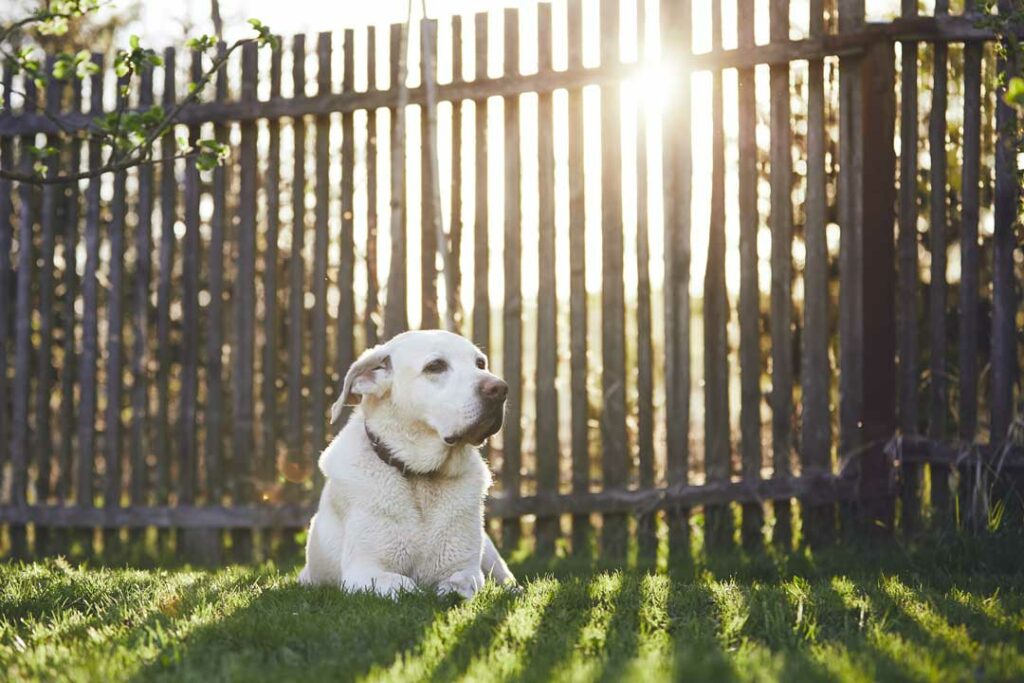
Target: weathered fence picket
{"x":188,"y":363}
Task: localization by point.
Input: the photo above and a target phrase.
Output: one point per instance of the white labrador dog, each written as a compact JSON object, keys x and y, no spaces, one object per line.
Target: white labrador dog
{"x":402,"y":506}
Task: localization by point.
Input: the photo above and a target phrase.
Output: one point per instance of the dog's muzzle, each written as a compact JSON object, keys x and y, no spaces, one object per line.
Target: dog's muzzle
{"x":492,"y":392}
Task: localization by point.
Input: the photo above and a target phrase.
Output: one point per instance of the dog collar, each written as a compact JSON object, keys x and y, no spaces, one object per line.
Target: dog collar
{"x":388,"y":457}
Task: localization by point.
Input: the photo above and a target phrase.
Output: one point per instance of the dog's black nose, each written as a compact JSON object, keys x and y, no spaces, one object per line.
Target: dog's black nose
{"x":493,"y":389}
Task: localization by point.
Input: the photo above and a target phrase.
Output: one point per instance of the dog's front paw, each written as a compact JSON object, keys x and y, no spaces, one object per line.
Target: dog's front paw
{"x":465,"y":582}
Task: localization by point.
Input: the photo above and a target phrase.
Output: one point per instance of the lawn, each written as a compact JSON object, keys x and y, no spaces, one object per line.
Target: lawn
{"x":950,"y":609}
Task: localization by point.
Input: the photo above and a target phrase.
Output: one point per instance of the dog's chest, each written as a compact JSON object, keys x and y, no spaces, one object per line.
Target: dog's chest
{"x":442,"y":528}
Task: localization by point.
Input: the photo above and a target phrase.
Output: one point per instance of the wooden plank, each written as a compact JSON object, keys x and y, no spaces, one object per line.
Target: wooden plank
{"x":646,"y":532}
{"x":614,"y":443}
{"x":819,"y":489}
{"x":6,"y":282}
{"x":717,"y":448}
{"x":481,"y":237}
{"x":970,"y":264}
{"x":547,"y":451}
{"x":45,"y":372}
{"x":851,"y":308}
{"x":113,"y":436}
{"x":168,"y":193}
{"x":267,"y":470}
{"x":909,"y":371}
{"x":1004,"y":298}
{"x":816,"y":431}
{"x":750,"y":295}
{"x":512,"y":344}
{"x":318,"y":342}
{"x":23,"y":348}
{"x":429,"y":211}
{"x":938,"y":288}
{"x":677,"y":33}
{"x":90,"y":306}
{"x":245,"y":313}
{"x":296,"y":270}
{"x":877,"y":357}
{"x":371,"y":323}
{"x":213,"y":417}
{"x":453,"y":289}
{"x":781,"y":223}
{"x":580,"y":402}
{"x":140,"y":436}
{"x":189,"y":390}
{"x":396,"y":315}
{"x":481,"y":248}
{"x":346,"y":273}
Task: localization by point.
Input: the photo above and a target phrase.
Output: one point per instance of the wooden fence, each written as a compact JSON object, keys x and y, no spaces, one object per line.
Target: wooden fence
{"x":170,"y":340}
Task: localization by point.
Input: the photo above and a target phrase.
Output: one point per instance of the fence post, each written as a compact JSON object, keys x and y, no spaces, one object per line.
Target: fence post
{"x":874,"y":206}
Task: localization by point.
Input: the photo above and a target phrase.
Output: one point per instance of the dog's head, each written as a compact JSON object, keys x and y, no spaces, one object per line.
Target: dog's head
{"x":432,"y":379}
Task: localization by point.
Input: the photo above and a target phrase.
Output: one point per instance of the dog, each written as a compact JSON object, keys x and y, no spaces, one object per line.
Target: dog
{"x":402,"y":507}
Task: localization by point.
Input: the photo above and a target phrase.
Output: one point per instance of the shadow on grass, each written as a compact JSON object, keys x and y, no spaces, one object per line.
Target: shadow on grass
{"x":322,"y":633}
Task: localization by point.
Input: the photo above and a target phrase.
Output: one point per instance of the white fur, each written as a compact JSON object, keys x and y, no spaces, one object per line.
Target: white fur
{"x":378,"y":530}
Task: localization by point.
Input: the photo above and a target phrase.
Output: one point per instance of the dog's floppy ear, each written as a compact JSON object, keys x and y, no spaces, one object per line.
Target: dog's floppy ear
{"x":366,"y":377}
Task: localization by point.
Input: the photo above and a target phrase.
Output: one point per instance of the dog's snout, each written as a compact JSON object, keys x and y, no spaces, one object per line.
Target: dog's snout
{"x":493,"y":389}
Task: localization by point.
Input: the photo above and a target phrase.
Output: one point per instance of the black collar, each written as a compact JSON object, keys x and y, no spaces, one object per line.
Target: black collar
{"x":388,"y":457}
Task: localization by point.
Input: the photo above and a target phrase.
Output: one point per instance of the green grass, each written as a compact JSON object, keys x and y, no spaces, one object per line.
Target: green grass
{"x":950,"y":610}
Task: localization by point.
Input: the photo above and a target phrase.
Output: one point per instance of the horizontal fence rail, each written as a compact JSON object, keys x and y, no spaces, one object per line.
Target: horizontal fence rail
{"x":700,"y":264}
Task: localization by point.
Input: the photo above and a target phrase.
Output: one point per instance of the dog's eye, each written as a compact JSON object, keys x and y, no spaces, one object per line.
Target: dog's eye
{"x":435,"y":367}
{"x":481,"y":363}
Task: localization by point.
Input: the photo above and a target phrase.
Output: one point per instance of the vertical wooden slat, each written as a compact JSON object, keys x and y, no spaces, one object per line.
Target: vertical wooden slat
{"x":512,"y":348}
{"x":781,"y":224}
{"x":969,"y":256}
{"x":69,"y":367}
{"x":646,"y":533}
{"x":614,"y":444}
{"x":396,"y":314}
{"x":1004,"y":298}
{"x":453,"y":289}
{"x":428,"y":232}
{"x":970,"y":264}
{"x":677,"y":36}
{"x":877,"y":357}
{"x":481,"y":249}
{"x":243,"y":354}
{"x":937,"y":290}
{"x":318,"y":344}
{"x":90,"y":304}
{"x":481,"y":237}
{"x":143,"y":274}
{"x":48,"y":218}
{"x":750,"y":296}
{"x":168,"y":191}
{"x":372,"y":312}
{"x":271,"y":315}
{"x":20,"y":428}
{"x":113,"y":425}
{"x":816,"y":432}
{"x":188,"y":470}
{"x":296,"y":271}
{"x":213,"y":417}
{"x":851,"y":308}
{"x":547,"y":349}
{"x":6,"y":293}
{"x":717,"y":449}
{"x":908,"y":272}
{"x":346,"y":274}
